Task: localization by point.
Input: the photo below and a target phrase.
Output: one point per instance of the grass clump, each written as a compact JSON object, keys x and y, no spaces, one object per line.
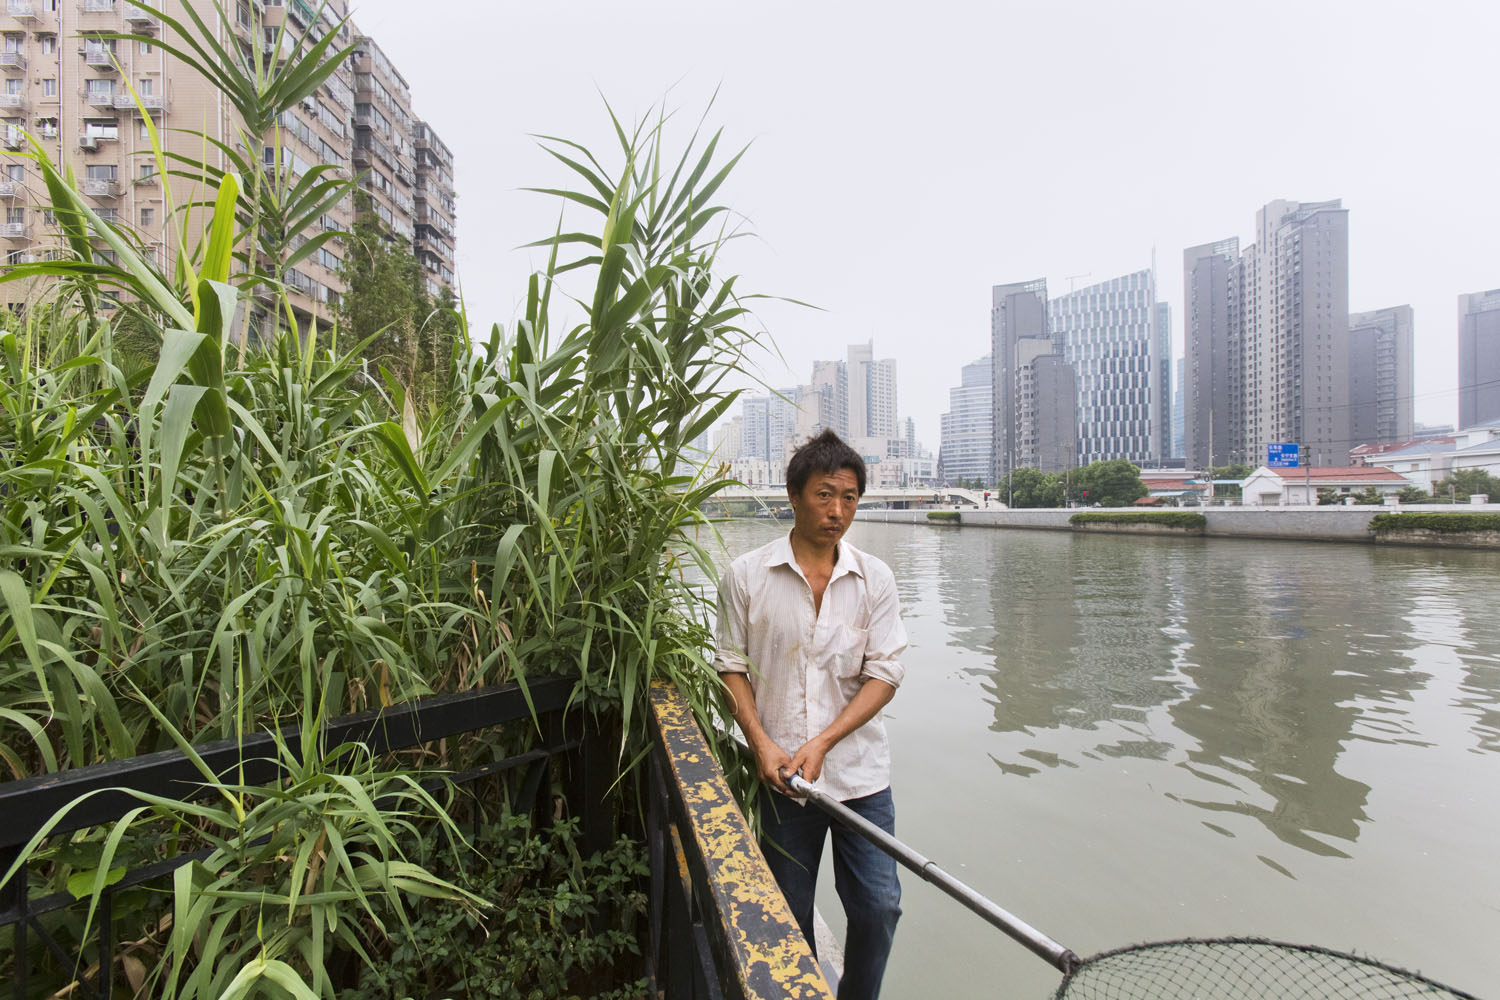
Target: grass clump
{"x":1164,"y":518}
{"x":945,"y":516}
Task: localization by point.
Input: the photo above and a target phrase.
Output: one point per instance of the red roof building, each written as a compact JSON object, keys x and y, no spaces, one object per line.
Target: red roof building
{"x":1267,"y":487}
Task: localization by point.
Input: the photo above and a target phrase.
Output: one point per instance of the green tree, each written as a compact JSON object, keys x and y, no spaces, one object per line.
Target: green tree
{"x":1413,"y":494}
{"x":1032,"y":488}
{"x":1114,"y":482}
{"x":1465,"y":482}
{"x":384,"y":299}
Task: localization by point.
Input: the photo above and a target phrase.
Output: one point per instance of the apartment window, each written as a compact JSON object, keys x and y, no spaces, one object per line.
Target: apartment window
{"x":49,"y":44}
{"x":145,"y":131}
{"x":15,"y":173}
{"x":144,"y":48}
{"x":15,"y":215}
{"x":101,"y":128}
{"x":15,"y":43}
{"x":145,"y":87}
{"x":101,"y":171}
{"x":148,"y":216}
{"x":13,"y":85}
{"x":49,"y":217}
{"x":49,"y":87}
{"x":147,"y":171}
{"x":101,"y":90}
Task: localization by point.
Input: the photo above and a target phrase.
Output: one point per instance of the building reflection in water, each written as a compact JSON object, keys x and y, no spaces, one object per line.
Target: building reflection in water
{"x":1250,"y":666}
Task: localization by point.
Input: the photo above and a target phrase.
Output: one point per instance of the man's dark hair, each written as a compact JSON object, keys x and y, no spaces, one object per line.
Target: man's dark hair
{"x":827,"y":453}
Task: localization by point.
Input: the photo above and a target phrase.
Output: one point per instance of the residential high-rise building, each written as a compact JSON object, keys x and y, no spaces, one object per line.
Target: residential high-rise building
{"x":872,"y":394}
{"x":82,"y":96}
{"x":1295,"y":321}
{"x":966,"y":432}
{"x":1380,"y":376}
{"x":1267,"y":334}
{"x":1478,"y":358}
{"x":1211,"y":387}
{"x":1161,"y":384}
{"x":1035,"y":394}
{"x":436,"y":213}
{"x":1179,"y":398}
{"x":768,"y":424}
{"x":832,"y":378}
{"x":1109,"y":334}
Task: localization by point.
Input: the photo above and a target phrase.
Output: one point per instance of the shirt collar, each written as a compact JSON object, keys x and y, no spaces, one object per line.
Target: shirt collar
{"x":847,"y":559}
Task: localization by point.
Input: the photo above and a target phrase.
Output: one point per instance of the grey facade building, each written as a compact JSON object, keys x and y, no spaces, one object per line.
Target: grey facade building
{"x":1380,"y":376}
{"x":1295,"y":318}
{"x":1211,"y":384}
{"x":1478,"y":357}
{"x":966,"y":434}
{"x":1267,"y":335}
{"x":768,"y":421}
{"x":1035,"y":394}
{"x":1161,"y":384}
{"x":1178,"y":421}
{"x":1109,"y":334}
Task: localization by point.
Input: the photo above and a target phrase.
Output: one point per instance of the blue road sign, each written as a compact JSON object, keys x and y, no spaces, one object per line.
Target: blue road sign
{"x":1283,"y":455}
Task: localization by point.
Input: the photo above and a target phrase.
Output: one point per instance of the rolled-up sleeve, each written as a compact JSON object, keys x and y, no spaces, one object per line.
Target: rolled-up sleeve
{"x":731,"y":634}
{"x":887,"y":635}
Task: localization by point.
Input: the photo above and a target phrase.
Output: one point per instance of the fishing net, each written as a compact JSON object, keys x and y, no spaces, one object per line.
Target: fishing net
{"x":1241,"y":969}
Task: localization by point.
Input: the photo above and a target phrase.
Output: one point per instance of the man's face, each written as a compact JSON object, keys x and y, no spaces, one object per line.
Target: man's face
{"x":825,"y":508}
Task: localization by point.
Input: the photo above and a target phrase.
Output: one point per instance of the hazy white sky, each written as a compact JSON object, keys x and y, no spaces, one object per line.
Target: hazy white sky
{"x":906,"y":157}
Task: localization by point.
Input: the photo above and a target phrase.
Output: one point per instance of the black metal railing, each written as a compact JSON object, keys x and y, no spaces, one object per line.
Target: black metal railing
{"x":719,"y":925}
{"x":28,"y":804}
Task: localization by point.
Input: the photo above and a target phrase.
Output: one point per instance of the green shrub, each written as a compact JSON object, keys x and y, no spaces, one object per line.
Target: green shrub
{"x":1448,"y":524}
{"x":943,"y":515}
{"x":1169,"y":518}
{"x":561,"y":925}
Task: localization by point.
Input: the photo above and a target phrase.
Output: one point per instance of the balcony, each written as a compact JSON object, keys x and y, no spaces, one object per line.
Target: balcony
{"x":151,"y":102}
{"x":98,"y":6}
{"x":99,"y":57}
{"x":101,"y":187}
{"x":12,"y":60}
{"x":12,"y":137}
{"x":101,"y":99}
{"x":23,"y":9}
{"x":13,"y":100}
{"x":9,"y":189}
{"x":13,"y":230}
{"x":140,"y":18}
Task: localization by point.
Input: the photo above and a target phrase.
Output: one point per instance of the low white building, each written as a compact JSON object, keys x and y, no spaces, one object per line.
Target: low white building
{"x":1267,"y":487}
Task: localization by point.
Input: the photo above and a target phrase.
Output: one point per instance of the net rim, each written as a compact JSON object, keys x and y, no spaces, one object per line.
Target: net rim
{"x":1315,"y":949}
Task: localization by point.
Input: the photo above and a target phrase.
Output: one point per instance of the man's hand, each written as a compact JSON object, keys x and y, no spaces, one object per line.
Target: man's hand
{"x":809,"y":760}
{"x":772,"y":761}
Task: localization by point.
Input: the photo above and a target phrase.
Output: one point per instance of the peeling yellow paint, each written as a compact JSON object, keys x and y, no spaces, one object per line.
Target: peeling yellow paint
{"x":772,"y":960}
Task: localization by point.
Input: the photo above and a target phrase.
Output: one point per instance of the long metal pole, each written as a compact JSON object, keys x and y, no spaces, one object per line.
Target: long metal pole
{"x":1038,"y":943}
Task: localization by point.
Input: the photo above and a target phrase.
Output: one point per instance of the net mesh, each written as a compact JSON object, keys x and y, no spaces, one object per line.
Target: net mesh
{"x":1241,"y":969}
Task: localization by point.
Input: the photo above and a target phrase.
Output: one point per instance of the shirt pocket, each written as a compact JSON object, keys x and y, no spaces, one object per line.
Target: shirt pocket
{"x":847,"y":651}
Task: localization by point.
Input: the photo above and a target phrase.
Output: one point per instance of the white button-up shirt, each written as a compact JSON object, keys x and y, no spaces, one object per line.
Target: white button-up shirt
{"x":806,"y":664}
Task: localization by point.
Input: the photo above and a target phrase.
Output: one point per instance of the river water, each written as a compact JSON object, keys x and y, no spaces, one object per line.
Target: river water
{"x":1124,"y":739}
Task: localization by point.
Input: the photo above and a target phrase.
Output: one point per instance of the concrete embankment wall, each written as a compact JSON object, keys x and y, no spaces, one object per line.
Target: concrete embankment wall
{"x":1319,"y":524}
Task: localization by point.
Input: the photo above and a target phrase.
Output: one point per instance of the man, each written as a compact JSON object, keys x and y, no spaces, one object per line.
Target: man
{"x":808,"y":643}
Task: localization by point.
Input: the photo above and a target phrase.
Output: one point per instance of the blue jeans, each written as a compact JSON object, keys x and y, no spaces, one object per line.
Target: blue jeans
{"x":864,"y":875}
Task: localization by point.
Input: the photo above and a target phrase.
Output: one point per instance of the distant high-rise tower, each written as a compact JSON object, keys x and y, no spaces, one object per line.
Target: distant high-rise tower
{"x":1179,"y":397}
{"x":1035,"y":391}
{"x":1109,"y":333}
{"x":1295,"y":318}
{"x":832,"y":377}
{"x":1267,"y":334}
{"x":1478,"y":357}
{"x":872,"y":394}
{"x":1161,"y":385}
{"x":1380,"y":376}
{"x":966,"y":441}
{"x":1212,"y":395}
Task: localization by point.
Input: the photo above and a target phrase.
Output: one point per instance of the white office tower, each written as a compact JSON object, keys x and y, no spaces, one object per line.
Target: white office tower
{"x":872,"y":394}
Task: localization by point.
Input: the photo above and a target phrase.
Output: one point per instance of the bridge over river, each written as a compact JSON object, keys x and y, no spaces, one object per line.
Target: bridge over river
{"x":739,"y":498}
